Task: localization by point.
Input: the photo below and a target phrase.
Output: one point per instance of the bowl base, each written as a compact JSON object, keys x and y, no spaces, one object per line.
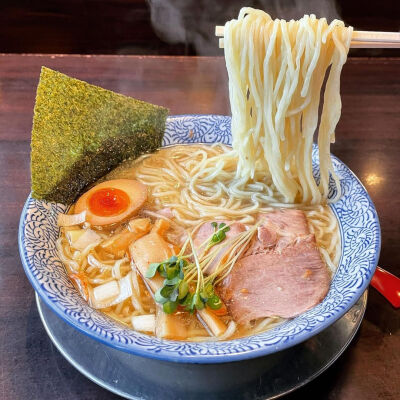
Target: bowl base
{"x":135,"y":377}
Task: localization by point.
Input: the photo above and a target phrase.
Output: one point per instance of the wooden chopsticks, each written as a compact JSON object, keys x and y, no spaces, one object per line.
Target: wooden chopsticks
{"x":359,"y":40}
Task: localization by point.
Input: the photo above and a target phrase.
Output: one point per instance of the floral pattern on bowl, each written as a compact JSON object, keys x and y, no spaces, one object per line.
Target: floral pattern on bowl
{"x":360,"y":234}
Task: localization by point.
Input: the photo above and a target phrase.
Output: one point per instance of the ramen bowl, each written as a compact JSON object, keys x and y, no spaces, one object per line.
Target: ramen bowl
{"x":360,"y":238}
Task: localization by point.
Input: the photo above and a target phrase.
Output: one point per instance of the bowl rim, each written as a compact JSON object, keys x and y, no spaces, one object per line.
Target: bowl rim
{"x":137,"y":349}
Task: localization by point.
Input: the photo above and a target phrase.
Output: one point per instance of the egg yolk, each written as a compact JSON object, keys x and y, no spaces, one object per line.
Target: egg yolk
{"x":108,"y":201}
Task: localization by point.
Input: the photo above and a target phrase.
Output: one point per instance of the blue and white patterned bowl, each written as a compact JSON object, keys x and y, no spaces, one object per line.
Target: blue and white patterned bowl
{"x":360,"y":235}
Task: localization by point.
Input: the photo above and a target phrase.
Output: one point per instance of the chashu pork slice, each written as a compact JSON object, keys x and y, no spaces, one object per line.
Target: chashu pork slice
{"x":278,"y":230}
{"x":282,"y":273}
{"x":205,"y":232}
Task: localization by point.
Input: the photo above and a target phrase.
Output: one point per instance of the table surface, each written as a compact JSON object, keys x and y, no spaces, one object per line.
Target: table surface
{"x":368,"y":141}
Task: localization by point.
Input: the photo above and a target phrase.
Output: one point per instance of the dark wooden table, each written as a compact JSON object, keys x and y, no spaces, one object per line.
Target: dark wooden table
{"x":368,"y":141}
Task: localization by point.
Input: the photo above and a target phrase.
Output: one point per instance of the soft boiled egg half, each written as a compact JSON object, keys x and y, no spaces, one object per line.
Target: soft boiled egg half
{"x":112,"y":201}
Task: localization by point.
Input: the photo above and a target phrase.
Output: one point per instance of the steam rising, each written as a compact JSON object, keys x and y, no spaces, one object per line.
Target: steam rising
{"x":193,"y":21}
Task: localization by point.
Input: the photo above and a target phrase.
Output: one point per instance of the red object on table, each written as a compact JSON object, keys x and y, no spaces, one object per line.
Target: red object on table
{"x":387,"y":285}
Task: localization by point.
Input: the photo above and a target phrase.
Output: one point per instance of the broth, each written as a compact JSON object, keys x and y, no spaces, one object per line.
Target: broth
{"x":184,"y":192}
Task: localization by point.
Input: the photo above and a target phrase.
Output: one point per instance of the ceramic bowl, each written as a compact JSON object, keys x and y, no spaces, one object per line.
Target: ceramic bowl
{"x":360,"y":237}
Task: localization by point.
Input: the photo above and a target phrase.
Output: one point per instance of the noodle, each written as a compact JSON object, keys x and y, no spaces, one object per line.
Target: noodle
{"x":276,"y":70}
{"x":195,"y":200}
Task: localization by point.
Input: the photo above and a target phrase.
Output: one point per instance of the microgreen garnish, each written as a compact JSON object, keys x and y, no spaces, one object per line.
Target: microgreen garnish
{"x":176,"y":291}
{"x":174,"y":288}
{"x":219,"y":233}
{"x":152,"y":269}
{"x":184,"y":282}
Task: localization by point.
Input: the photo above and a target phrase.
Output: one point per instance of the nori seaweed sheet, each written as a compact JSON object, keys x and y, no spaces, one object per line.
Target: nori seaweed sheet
{"x":81,"y":131}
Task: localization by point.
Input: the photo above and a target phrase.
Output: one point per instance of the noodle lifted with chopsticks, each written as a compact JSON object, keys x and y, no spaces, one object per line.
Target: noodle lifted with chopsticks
{"x":276,"y":71}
